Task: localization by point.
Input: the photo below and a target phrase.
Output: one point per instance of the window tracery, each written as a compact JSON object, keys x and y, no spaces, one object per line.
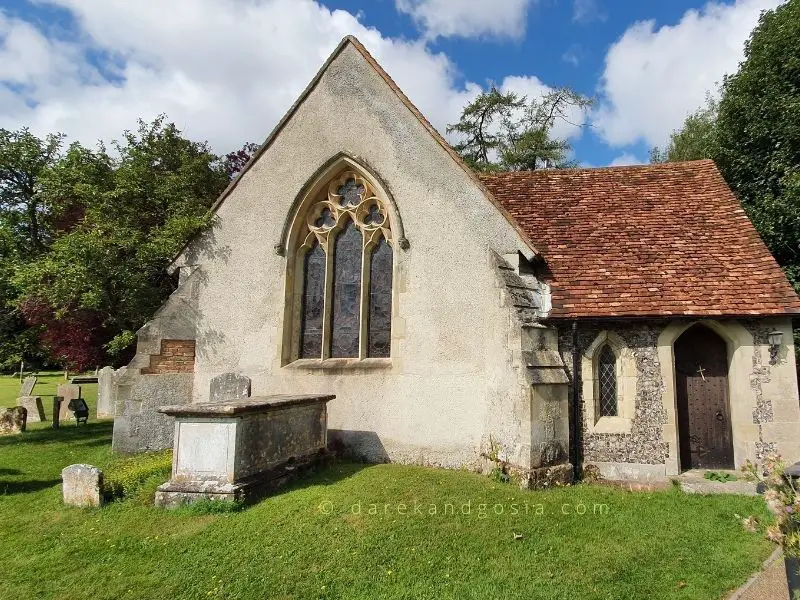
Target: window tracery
{"x":346,"y":262}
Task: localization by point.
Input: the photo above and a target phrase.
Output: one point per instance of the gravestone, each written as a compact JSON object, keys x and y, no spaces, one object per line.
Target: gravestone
{"x":229,"y":386}
{"x":105,"y":392}
{"x":68,"y":391}
{"x":27,"y":386}
{"x":82,"y":485}
{"x":33,"y":404}
{"x":13,"y":420}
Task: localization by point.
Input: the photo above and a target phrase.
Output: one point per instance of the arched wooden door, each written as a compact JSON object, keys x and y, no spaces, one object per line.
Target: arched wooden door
{"x":704,"y":423}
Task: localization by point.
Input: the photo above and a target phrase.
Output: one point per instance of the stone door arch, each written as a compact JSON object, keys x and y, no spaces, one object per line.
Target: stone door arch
{"x":703,"y":410}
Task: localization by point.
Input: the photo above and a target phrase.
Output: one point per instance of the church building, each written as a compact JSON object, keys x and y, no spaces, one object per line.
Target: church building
{"x":625,"y":318}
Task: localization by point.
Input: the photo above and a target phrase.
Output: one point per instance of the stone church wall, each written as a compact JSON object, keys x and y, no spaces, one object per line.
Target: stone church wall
{"x":763,"y":394}
{"x":455,"y":384}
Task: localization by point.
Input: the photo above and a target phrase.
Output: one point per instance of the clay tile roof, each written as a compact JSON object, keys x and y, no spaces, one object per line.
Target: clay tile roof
{"x":653,"y":240}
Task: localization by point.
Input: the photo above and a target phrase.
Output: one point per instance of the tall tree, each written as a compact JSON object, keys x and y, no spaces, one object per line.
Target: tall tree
{"x":104,"y":276}
{"x":507,"y":132}
{"x":695,"y":140}
{"x":758,"y":127}
{"x":480,"y":127}
{"x":23,"y":159}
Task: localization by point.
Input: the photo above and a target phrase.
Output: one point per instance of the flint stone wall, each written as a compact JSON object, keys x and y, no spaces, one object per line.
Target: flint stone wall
{"x":645,"y":443}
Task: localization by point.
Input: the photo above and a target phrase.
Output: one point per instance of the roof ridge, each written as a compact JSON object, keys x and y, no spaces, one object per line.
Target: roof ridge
{"x":653,"y":166}
{"x":351,"y":39}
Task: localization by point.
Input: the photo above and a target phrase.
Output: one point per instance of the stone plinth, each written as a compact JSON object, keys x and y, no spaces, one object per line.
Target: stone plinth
{"x":242,"y":449}
{"x":82,"y":485}
{"x":33,"y":404}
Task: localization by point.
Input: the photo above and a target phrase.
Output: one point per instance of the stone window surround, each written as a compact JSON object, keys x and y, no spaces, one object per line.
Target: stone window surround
{"x":626,"y":385}
{"x":300,"y":239}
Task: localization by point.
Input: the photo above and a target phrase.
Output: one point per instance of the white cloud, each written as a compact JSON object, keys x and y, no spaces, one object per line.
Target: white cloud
{"x":625,"y":159}
{"x":586,"y":11}
{"x":573,"y":55}
{"x":654,"y":76}
{"x":467,"y":18}
{"x":223,"y":71}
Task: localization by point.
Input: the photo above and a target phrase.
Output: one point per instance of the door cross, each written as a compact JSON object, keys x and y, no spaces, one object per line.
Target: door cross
{"x":702,"y":371}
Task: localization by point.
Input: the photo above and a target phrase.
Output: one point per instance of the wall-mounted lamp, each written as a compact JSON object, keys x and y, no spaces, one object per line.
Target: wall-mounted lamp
{"x":775,"y":338}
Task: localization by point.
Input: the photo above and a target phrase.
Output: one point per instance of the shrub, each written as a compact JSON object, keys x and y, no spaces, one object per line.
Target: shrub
{"x":136,"y":477}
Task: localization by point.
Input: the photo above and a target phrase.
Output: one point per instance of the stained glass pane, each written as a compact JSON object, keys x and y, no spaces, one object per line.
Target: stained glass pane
{"x":380,"y":301}
{"x":345,"y":323}
{"x":313,"y":303}
{"x":350,"y":192}
{"x":607,"y":375}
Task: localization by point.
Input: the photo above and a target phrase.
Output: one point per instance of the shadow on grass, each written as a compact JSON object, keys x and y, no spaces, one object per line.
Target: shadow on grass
{"x":95,"y":433}
{"x":10,"y":472}
{"x":23,"y":487}
{"x":326,"y":473}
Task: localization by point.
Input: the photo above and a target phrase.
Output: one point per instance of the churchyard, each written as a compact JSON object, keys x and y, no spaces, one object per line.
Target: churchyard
{"x":355,"y":531}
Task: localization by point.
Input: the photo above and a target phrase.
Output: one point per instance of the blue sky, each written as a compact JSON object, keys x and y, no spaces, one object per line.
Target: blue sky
{"x":226,"y":70}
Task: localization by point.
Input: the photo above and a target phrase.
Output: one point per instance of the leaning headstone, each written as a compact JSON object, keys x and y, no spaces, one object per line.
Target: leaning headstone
{"x":68,"y":391}
{"x":33,"y":404}
{"x":27,"y":386}
{"x":82,"y":485}
{"x":13,"y":420}
{"x":229,"y":386}
{"x":105,"y":391}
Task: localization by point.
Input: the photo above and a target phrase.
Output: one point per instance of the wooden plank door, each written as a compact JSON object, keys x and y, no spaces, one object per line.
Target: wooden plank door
{"x":704,"y":423}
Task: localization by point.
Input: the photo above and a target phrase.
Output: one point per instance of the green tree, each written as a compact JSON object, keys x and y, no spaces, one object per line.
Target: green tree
{"x":104,"y":276}
{"x":481,"y":127}
{"x":695,"y":140}
{"x":758,"y":127}
{"x":508,"y":132}
{"x":23,"y":159}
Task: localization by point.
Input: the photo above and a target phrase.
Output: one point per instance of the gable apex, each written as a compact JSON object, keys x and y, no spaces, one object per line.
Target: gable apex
{"x":350,"y":40}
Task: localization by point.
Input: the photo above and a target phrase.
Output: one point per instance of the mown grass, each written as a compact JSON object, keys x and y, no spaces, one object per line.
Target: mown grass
{"x":318,"y":539}
{"x":46,"y":387}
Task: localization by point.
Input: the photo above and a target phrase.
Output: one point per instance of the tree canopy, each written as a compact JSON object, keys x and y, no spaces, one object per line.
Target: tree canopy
{"x":753,"y":134}
{"x":91,"y":270}
{"x":506,"y":132}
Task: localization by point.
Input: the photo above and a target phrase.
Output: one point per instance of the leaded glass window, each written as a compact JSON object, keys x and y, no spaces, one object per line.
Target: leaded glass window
{"x":607,"y":379}
{"x":346,"y":305}
{"x":346,"y":302}
{"x":379,"y":331}
{"x":313,"y":302}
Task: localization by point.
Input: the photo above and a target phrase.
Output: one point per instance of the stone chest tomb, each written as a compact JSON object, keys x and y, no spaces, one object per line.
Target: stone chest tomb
{"x":242,"y":449}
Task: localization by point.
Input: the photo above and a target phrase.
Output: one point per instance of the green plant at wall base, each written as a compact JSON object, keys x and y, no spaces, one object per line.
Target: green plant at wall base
{"x":720,"y":477}
{"x":136,"y":477}
{"x":783,"y":501}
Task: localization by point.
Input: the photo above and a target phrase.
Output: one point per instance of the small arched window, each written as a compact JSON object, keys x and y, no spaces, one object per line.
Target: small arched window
{"x":607,"y":380}
{"x":345,"y":263}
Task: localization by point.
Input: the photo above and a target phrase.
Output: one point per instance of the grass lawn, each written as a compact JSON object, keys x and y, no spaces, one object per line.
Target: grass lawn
{"x":46,"y":386}
{"x":318,"y":539}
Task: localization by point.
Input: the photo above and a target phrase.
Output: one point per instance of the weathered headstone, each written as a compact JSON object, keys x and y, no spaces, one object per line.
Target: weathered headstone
{"x":27,"y":386}
{"x":230,"y":386}
{"x":68,"y":391}
{"x":33,"y":404}
{"x":13,"y":420}
{"x":82,"y":485}
{"x":105,"y":392}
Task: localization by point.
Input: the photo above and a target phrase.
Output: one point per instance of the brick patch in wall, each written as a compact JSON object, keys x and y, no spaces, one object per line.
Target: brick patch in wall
{"x":177,"y":356}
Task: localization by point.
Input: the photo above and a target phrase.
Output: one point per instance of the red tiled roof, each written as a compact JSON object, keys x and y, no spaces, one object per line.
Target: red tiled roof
{"x":653,"y":240}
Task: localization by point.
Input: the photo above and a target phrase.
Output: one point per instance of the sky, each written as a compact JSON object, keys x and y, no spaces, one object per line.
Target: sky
{"x":227,"y":70}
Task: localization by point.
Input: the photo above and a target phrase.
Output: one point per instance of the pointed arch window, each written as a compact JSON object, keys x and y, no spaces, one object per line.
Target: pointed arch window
{"x":607,"y":379}
{"x":343,"y":270}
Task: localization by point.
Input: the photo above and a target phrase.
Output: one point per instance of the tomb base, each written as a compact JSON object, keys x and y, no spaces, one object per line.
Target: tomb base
{"x":243,"y":449}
